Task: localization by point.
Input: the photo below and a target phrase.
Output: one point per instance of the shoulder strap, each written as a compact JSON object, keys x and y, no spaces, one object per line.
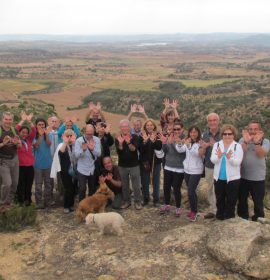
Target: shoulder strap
{"x":93,"y":157}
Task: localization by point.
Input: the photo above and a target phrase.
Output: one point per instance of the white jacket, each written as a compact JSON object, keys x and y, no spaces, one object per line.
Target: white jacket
{"x":56,"y":167}
{"x":193,"y":163}
{"x":232,"y":165}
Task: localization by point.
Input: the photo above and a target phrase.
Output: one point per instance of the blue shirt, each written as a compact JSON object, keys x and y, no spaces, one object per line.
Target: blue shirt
{"x":222,"y":172}
{"x":43,"y":158}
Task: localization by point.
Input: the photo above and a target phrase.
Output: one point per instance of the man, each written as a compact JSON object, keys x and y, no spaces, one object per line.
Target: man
{"x":137,"y":123}
{"x":209,"y":138}
{"x":9,"y":164}
{"x":111,"y":176}
{"x":128,"y":162}
{"x":253,"y":170}
{"x":87,"y":150}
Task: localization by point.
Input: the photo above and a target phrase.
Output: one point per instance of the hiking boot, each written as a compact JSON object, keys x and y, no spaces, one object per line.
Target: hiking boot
{"x":178,"y":212}
{"x":125,"y":205}
{"x":209,"y":216}
{"x":192,"y":217}
{"x":138,"y":206}
{"x":165,"y":209}
{"x":66,"y":211}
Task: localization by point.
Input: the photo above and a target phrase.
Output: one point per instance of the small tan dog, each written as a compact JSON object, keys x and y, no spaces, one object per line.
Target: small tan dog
{"x":106,"y":222}
{"x":95,"y":203}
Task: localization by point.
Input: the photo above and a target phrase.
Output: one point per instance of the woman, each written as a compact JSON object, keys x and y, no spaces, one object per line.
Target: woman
{"x":227,"y":156}
{"x":26,"y":160}
{"x":68,"y":124}
{"x":43,"y":162}
{"x":193,"y":168}
{"x":66,"y":153}
{"x":149,"y":163}
{"x":174,"y":169}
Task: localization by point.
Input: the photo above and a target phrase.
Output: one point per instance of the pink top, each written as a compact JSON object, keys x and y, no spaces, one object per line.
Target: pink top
{"x":25,"y":153}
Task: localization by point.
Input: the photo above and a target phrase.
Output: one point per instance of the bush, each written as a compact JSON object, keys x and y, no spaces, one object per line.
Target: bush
{"x":18,"y":217}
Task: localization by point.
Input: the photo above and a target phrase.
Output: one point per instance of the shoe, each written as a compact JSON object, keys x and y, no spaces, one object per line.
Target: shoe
{"x":165,"y":209}
{"x":66,"y":211}
{"x":189,"y":214}
{"x":192,"y":217}
{"x":156,"y":204}
{"x":125,"y":205}
{"x":209,"y":216}
{"x":178,"y":212}
{"x":145,"y":202}
{"x":138,"y":206}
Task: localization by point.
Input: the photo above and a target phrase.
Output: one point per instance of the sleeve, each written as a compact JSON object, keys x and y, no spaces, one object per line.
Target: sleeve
{"x":158,"y":145}
{"x":214,"y":158}
{"x":110,"y":139}
{"x":97,"y":149}
{"x":266,"y":145}
{"x":61,"y":130}
{"x":135,"y":140}
{"x":237,"y":156}
{"x":33,"y":133}
{"x":180,"y":148}
{"x":79,"y":153}
{"x":76,"y":129}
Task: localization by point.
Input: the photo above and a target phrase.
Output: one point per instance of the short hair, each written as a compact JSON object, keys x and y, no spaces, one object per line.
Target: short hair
{"x":68,"y":132}
{"x":229,"y":127}
{"x":7,"y":113}
{"x":24,"y":127}
{"x":147,"y":121}
{"x":254,"y":121}
{"x":178,"y":122}
{"x":124,"y":121}
{"x":212,"y":114}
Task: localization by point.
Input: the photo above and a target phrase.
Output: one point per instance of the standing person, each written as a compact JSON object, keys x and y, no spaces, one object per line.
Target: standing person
{"x":94,"y":115}
{"x":227,"y":156}
{"x":150,"y":165}
{"x":209,"y":138}
{"x":87,"y":150}
{"x":129,"y":167}
{"x":66,"y":154}
{"x":43,"y":162}
{"x":26,"y":159}
{"x":174,"y":168}
{"x":137,"y":123}
{"x":193,"y":167}
{"x":69,"y":123}
{"x":106,"y":139}
{"x":111,"y":176}
{"x":9,"y":164}
{"x":253,"y":170}
{"x":168,"y":116}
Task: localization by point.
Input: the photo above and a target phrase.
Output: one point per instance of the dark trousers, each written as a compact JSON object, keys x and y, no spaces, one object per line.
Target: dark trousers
{"x":26,"y":179}
{"x":174,"y":180}
{"x":69,"y":189}
{"x":257,"y":191}
{"x":83,"y":181}
{"x":192,"y":181}
{"x":226,"y":195}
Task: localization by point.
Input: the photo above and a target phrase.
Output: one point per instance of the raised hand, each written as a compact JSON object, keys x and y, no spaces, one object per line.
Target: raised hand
{"x":108,"y":128}
{"x":73,"y":138}
{"x":229,"y":154}
{"x":109,"y":176}
{"x":133,"y":108}
{"x":166,"y":102}
{"x":84,"y":146}
{"x":212,"y":141}
{"x":29,"y":117}
{"x":91,"y":144}
{"x":203,"y":144}
{"x":48,"y":130}
{"x":102,"y":179}
{"x":175,"y":104}
{"x":145,"y":137}
{"x":257,"y":138}
{"x":65,"y":139}
{"x":219,"y":152}
{"x":41,"y":131}
{"x":98,"y":106}
{"x":7,"y":139}
{"x":91,"y":106}
{"x":23,"y":116}
{"x":162,"y":137}
{"x":140,"y":108}
{"x":153,"y":137}
{"x":246,"y":136}
{"x":127,"y":138}
{"x":120,"y":139}
{"x":16,"y":140}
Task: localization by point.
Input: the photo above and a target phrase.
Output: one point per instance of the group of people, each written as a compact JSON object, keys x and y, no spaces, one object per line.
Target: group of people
{"x":47,"y":152}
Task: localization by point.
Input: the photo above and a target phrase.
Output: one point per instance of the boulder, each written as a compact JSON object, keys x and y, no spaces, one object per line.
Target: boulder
{"x":241,"y":246}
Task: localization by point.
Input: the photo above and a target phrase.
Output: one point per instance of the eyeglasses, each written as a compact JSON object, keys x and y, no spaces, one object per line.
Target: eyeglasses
{"x":69,"y":135}
{"x":227,"y":134}
{"x":177,"y":129}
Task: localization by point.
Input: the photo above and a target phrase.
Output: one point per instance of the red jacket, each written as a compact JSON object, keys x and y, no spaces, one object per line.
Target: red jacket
{"x":25,"y":153}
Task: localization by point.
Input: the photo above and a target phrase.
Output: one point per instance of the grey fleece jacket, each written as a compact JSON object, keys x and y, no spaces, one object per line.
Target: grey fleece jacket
{"x":172,"y":157}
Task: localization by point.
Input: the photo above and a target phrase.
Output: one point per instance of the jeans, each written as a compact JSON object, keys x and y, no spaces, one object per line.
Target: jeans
{"x":145,"y":181}
{"x":192,"y":181}
{"x":257,"y":191}
{"x":83,"y":180}
{"x":132,"y":173}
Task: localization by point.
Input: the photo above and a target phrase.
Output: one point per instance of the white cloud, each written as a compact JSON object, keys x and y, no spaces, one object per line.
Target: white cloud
{"x":133,"y":16}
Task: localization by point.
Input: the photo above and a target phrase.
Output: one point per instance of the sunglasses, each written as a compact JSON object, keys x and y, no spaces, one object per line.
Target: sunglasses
{"x":177,"y":129}
{"x":227,"y":134}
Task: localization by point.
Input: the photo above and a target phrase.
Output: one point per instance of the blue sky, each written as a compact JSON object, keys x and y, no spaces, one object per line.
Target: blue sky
{"x":133,"y":16}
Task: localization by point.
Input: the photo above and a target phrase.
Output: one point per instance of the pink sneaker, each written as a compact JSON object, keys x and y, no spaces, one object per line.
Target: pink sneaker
{"x":165,"y":209}
{"x":189,"y":214}
{"x":193,"y":217}
{"x":178,"y":212}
